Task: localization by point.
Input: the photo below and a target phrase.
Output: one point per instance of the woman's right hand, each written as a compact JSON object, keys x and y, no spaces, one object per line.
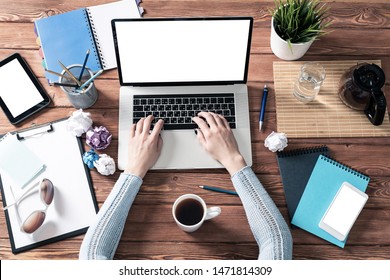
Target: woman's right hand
{"x":218,"y":140}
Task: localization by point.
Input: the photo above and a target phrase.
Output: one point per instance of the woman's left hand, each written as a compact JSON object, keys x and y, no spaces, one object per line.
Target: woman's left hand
{"x":144,"y":146}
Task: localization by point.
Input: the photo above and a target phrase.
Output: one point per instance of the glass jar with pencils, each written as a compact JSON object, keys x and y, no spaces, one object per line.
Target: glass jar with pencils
{"x":77,"y":82}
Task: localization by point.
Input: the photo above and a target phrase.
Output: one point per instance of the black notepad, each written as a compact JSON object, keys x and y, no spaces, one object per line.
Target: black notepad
{"x":295,"y":168}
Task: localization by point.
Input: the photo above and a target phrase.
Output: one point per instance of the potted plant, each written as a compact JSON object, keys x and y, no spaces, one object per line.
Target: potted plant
{"x":295,"y":25}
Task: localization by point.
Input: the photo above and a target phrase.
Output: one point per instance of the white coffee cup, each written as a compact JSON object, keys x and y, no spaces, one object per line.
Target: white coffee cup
{"x":190,"y":211}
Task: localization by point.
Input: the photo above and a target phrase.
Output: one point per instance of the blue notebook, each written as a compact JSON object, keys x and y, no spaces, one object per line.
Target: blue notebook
{"x":323,"y":184}
{"x":67,"y":37}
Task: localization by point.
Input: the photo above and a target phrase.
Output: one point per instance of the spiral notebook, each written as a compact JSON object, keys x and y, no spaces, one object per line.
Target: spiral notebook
{"x":295,"y":168}
{"x":67,"y":37}
{"x":324,"y":182}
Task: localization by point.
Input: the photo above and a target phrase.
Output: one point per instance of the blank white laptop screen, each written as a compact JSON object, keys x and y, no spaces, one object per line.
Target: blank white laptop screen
{"x":183,"y":51}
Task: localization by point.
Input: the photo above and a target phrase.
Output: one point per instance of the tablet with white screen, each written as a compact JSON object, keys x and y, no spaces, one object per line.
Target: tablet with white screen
{"x":343,"y":211}
{"x":21,"y":94}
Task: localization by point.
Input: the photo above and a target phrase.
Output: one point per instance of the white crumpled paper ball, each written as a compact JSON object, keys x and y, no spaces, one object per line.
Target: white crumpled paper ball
{"x":79,"y":122}
{"x":276,"y":141}
{"x":105,"y":165}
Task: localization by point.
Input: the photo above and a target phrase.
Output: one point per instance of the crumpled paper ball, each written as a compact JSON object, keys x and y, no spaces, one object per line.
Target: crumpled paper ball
{"x":276,"y":141}
{"x":99,"y":138}
{"x":105,"y":165}
{"x":79,"y":122}
{"x":90,"y":157}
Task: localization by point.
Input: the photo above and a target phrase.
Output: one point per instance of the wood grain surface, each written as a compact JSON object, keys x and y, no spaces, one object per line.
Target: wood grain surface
{"x":360,"y":31}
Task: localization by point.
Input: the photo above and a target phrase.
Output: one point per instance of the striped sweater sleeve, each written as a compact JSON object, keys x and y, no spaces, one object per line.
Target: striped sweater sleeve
{"x":102,"y":237}
{"x":265,"y":220}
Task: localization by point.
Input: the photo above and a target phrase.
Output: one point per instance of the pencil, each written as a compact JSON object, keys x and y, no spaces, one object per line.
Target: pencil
{"x":70,"y":74}
{"x":215,"y":189}
{"x":55,"y":73}
{"x":84,"y":64}
{"x":90,"y":80}
{"x":64,"y":85}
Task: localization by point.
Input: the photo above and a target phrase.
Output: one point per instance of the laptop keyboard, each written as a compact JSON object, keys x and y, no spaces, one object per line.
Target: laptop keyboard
{"x":178,"y":110}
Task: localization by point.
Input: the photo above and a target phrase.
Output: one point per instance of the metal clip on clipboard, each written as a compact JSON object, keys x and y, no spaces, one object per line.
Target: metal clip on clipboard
{"x":34,"y":131}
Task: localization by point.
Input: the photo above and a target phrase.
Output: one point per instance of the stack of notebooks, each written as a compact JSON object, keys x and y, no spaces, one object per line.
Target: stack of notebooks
{"x":68,"y":36}
{"x":311,"y":180}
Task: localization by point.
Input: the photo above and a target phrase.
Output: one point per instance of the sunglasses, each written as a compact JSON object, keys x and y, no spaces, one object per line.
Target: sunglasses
{"x":36,"y":218}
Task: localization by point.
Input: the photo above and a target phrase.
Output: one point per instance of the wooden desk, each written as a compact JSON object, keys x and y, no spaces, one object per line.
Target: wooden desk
{"x":361,"y":31}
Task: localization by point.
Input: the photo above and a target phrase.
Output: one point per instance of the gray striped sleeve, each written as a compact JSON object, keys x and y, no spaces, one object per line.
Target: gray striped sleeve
{"x":265,"y":220}
{"x":102,"y":237}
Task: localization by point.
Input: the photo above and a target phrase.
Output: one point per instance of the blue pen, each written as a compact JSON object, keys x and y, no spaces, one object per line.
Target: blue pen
{"x":263,"y":103}
{"x":90,"y":80}
{"x":84,"y":64}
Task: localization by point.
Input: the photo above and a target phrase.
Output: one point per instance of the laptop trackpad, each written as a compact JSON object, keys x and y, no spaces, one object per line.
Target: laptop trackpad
{"x":182,"y":150}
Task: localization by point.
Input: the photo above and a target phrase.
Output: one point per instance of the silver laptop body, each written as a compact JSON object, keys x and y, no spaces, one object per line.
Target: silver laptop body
{"x":178,"y":57}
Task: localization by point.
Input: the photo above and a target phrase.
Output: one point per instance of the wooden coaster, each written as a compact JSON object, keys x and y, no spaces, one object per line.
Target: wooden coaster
{"x":327,"y":115}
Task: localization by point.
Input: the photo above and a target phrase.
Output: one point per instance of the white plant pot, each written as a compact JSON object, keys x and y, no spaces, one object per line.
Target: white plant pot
{"x":282,"y":50}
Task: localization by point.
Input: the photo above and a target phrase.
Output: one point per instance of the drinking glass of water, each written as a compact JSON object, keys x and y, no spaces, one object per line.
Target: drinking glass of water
{"x":309,"y":82}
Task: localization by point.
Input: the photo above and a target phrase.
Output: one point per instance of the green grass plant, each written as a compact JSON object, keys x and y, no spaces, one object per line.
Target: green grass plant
{"x":300,"y":21}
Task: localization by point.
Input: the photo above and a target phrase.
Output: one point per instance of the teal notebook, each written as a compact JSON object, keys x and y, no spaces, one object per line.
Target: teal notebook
{"x":323,"y":184}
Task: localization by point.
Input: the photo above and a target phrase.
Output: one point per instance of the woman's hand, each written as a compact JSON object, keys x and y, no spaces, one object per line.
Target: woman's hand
{"x":144,"y":146}
{"x":218,"y":140}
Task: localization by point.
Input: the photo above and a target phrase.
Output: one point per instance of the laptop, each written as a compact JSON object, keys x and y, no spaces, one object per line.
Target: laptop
{"x":174,"y":68}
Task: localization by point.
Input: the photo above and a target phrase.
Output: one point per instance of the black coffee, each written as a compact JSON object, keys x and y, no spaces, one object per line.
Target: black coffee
{"x":189,"y":212}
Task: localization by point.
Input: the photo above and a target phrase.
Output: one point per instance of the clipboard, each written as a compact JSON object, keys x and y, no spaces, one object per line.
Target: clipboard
{"x":74,"y":205}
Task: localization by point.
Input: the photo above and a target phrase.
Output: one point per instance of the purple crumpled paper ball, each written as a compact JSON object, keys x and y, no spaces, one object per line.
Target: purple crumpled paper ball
{"x":90,"y":157}
{"x":99,"y":138}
